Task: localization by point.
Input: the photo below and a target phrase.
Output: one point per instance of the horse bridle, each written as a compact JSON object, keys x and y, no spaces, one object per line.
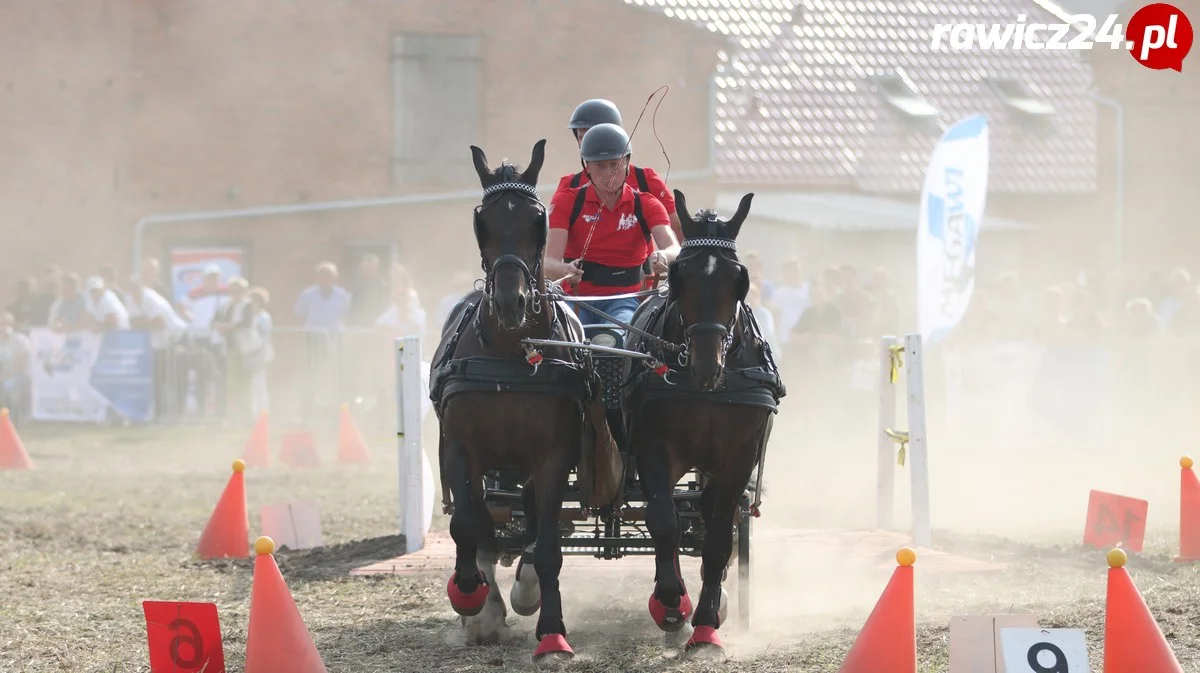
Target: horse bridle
{"x":707,"y":327}
{"x":531,"y":274}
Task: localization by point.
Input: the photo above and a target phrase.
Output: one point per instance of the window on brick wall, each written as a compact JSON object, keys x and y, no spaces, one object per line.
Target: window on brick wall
{"x":435,"y":108}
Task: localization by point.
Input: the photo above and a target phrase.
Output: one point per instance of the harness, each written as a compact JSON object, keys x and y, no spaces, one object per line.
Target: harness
{"x":574,"y":378}
{"x":756,"y":383}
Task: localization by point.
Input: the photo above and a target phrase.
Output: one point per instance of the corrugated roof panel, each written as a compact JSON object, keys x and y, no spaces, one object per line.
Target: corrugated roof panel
{"x":811,"y":82}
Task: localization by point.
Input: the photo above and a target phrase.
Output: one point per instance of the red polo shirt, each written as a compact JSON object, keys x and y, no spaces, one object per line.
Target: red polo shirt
{"x":618,"y":239}
{"x":656,"y":186}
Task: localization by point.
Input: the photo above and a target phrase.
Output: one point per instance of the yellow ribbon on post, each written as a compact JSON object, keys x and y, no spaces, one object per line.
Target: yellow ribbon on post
{"x":897,"y":362}
{"x":901,"y":438}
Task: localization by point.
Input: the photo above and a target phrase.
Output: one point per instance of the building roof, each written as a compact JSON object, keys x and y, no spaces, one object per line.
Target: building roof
{"x":845,"y":212}
{"x":849,"y":94}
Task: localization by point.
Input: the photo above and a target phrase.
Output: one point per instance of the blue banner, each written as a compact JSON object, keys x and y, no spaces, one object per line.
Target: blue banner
{"x":952,"y":204}
{"x":85,"y":376}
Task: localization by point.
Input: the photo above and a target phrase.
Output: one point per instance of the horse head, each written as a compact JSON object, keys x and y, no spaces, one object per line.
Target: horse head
{"x":707,"y":283}
{"x":511,"y":227}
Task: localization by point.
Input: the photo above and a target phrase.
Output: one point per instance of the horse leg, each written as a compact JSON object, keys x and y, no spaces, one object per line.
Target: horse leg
{"x":549,"y":483}
{"x":669,"y":603}
{"x":718,"y":504}
{"x":468,"y":588}
{"x":489,"y":626}
{"x":526,"y":594}
{"x":707,"y":512}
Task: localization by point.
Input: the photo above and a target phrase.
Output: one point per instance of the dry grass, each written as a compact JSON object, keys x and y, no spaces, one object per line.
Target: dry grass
{"x":110,"y":518}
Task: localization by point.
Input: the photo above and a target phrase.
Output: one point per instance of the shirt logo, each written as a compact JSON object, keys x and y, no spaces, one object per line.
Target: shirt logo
{"x":626,"y":222}
{"x":591,"y":218}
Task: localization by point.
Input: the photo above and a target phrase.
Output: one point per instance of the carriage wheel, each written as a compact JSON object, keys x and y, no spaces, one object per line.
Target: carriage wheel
{"x":743,"y":558}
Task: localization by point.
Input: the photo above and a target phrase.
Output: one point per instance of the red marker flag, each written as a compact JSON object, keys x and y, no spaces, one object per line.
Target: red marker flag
{"x":183,"y":637}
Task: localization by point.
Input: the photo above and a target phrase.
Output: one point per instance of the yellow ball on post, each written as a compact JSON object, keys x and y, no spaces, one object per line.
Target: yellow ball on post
{"x":1186,"y":462}
{"x":906,"y":556}
{"x":239,"y":465}
{"x":264,"y":545}
{"x":1117,"y":558}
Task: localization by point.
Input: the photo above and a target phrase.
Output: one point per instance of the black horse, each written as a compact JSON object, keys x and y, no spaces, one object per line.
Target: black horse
{"x":708,"y":404}
{"x":504,"y":405}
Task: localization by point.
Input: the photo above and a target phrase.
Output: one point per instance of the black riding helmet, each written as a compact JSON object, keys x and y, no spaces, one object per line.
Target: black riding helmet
{"x":605,"y":142}
{"x":592,"y":112}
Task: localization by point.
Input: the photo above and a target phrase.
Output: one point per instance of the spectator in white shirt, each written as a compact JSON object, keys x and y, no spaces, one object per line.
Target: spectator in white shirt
{"x":150,"y":311}
{"x":791,"y":298}
{"x":202,"y":303}
{"x":325,"y":305}
{"x":206,"y":352}
{"x":16,"y":355}
{"x":261,"y":352}
{"x":105,"y":308}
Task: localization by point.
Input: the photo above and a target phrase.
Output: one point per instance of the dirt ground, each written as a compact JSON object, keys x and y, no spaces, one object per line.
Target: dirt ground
{"x":111,"y":516}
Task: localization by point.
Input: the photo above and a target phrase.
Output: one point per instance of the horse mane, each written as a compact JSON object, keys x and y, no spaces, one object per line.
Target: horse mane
{"x":507,"y":171}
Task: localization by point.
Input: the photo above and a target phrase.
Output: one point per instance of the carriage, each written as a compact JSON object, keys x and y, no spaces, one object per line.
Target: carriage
{"x":607,"y":534}
{"x":560,"y":416}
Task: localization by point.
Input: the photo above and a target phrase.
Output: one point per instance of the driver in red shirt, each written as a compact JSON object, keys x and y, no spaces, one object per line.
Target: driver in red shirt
{"x":596,"y":111}
{"x":601,"y":232}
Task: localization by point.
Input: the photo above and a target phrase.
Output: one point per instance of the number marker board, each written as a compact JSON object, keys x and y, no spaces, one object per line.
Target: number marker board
{"x":975,"y":641}
{"x":1044,"y":651}
{"x":183,"y":637}
{"x":1115,"y":520}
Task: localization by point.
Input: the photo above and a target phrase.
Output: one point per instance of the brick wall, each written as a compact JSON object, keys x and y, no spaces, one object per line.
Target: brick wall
{"x":121,"y":109}
{"x":1162,"y":152}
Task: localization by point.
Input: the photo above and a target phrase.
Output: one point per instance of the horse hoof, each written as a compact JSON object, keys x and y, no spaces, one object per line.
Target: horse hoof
{"x":705,"y":644}
{"x":670,"y":619}
{"x":525,"y":596}
{"x":553,"y":648}
{"x":467,"y":604}
{"x":521,"y":604}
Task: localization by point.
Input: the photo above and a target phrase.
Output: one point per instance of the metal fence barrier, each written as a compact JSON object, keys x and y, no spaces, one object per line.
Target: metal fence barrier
{"x":1102,"y":392}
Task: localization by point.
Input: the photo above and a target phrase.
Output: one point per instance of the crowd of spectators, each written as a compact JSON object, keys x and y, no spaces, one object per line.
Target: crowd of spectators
{"x":215,"y":343}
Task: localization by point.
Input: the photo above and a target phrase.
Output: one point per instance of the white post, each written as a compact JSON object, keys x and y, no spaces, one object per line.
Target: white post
{"x":413,"y":503}
{"x":886,"y":470}
{"x":918,"y":455}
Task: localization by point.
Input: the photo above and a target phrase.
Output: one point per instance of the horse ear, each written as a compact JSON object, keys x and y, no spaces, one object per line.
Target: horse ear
{"x":686,"y":222}
{"x":481,"y":166}
{"x":735,"y":224}
{"x":530,"y":175}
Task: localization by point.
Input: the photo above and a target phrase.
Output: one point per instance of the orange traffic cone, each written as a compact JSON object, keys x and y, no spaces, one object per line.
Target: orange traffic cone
{"x":277,"y":639}
{"x":351,"y":447}
{"x":13,"y":455}
{"x":1133,"y":643}
{"x":1189,"y":513}
{"x":299,"y":449}
{"x":888,"y":641}
{"x":228,"y":529}
{"x":258,"y":448}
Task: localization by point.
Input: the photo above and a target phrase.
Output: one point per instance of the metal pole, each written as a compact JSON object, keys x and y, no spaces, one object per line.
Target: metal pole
{"x":1120,"y":110}
{"x":349,"y":204}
